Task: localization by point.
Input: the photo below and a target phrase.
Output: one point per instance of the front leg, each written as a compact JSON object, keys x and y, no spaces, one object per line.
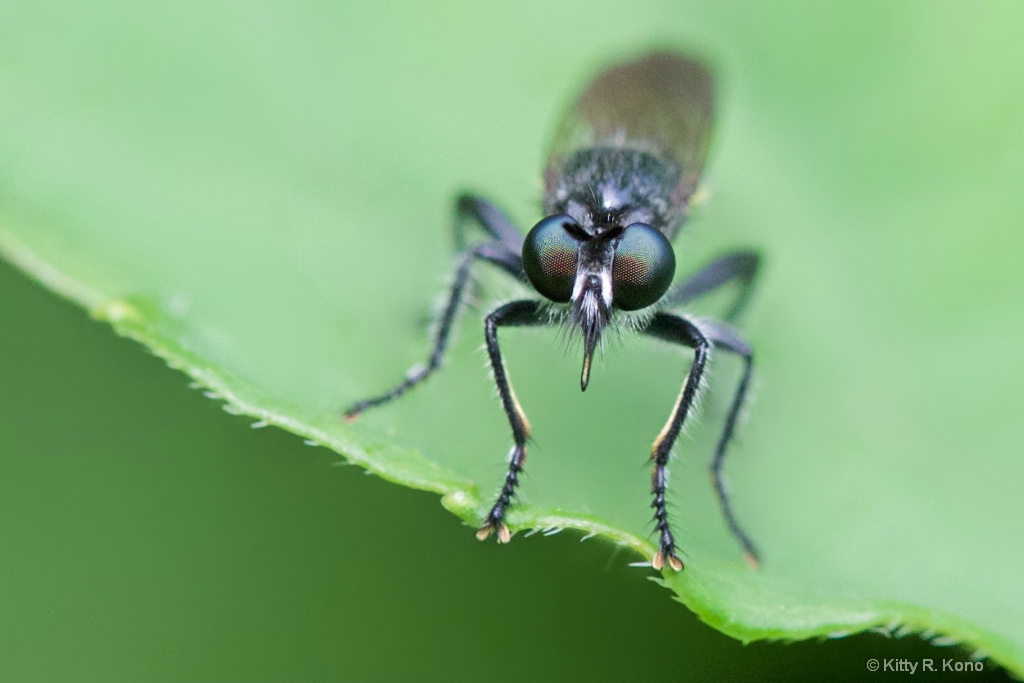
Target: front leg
{"x":515,"y":314}
{"x":678,"y":330}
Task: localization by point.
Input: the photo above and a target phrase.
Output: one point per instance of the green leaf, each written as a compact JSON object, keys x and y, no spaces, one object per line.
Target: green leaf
{"x":262,"y":196}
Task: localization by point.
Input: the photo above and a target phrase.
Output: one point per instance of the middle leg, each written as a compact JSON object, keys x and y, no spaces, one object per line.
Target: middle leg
{"x":738,"y":266}
{"x":726,"y":338}
{"x":493,"y":252}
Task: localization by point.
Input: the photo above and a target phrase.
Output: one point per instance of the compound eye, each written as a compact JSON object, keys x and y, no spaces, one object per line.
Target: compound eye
{"x":643,"y":268}
{"x":550,"y":255}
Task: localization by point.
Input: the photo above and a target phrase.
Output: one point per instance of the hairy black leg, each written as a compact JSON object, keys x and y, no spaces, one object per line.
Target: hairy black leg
{"x":515,"y":314}
{"x":487,"y":216}
{"x":678,"y":330}
{"x":504,"y":251}
{"x":741,"y":266}
{"x":495,"y":253}
{"x":724,"y":337}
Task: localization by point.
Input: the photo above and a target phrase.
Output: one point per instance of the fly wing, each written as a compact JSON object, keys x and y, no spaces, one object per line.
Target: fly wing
{"x":662,"y":104}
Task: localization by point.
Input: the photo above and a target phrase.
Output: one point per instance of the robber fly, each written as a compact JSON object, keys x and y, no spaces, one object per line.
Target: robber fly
{"x":617,"y":187}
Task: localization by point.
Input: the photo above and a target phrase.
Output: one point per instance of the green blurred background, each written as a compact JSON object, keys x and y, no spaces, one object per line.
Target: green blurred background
{"x":873,"y":150}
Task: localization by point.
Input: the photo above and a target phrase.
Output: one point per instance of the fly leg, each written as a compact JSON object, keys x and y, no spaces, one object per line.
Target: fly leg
{"x":503,"y":251}
{"x":515,"y":314}
{"x":741,"y":266}
{"x":724,"y":337}
{"x":701,"y":337}
{"x":678,"y":330}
